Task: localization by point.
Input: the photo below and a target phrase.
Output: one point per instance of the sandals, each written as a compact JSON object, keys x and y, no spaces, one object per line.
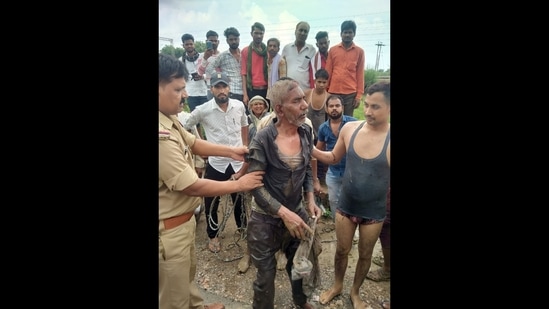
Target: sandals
{"x":379,"y":275}
{"x":214,"y":245}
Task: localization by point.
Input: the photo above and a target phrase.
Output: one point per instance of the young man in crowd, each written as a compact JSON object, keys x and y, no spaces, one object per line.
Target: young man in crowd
{"x":345,"y":65}
{"x":328,"y":133}
{"x":229,"y":63}
{"x":253,"y":65}
{"x":323,"y":44}
{"x":208,"y":56}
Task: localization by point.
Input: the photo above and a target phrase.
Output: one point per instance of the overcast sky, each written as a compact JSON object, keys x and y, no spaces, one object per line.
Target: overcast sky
{"x":280,"y":17}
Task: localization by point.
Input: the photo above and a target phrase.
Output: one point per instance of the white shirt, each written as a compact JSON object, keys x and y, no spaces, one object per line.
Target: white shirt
{"x":195,"y":88}
{"x":297,"y":64}
{"x":224,"y":128}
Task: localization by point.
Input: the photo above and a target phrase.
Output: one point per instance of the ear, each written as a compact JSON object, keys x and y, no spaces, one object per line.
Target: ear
{"x":278,"y":110}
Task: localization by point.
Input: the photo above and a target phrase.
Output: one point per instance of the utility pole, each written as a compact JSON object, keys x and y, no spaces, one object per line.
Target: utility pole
{"x":379,"y":44}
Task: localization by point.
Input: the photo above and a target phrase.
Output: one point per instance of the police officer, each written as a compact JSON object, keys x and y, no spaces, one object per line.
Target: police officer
{"x":180,"y":189}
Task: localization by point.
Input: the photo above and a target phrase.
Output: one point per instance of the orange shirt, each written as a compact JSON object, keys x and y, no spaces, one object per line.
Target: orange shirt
{"x":346,"y":69}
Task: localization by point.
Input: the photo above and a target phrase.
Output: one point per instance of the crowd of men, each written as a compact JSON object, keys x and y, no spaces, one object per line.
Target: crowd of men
{"x":292,"y":84}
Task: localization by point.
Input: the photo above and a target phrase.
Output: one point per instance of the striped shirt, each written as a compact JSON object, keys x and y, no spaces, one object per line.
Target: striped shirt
{"x":228,"y":64}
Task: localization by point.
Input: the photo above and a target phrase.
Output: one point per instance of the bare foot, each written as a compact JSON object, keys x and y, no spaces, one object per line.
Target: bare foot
{"x":357,"y":302}
{"x":328,"y":295}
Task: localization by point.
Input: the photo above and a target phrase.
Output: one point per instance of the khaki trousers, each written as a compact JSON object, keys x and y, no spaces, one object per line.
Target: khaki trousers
{"x":177,"y":267}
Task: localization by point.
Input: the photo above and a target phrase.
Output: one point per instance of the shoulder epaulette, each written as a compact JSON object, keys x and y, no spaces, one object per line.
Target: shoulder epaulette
{"x":163,"y":133}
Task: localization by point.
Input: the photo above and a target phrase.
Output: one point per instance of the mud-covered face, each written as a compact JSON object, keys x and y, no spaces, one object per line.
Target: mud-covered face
{"x":294,"y":107}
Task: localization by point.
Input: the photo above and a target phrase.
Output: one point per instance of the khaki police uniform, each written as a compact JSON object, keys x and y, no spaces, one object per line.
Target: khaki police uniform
{"x":177,"y":227}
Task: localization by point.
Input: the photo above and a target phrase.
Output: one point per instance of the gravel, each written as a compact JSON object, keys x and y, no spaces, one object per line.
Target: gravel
{"x":220,"y":281}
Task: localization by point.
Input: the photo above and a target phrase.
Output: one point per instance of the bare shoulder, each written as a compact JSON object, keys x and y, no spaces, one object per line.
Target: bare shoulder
{"x":350,"y":126}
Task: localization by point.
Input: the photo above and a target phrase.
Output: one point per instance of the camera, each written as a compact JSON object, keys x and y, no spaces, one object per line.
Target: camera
{"x":209,"y":45}
{"x":195,"y":76}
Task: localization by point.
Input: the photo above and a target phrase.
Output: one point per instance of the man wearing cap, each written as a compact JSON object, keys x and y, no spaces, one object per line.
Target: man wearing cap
{"x":225,"y":122}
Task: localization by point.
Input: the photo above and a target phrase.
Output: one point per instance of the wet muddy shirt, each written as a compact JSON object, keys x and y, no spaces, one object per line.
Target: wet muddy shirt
{"x":365,"y":183}
{"x":283,"y":185}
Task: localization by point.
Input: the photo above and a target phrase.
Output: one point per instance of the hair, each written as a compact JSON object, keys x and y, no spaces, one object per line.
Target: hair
{"x":263,"y":122}
{"x":322,"y":73}
{"x":302,"y":23}
{"x":273,"y":39}
{"x":321,"y":34}
{"x":334,"y":97}
{"x":381,"y":86}
{"x":211,"y":33}
{"x":186,"y":37}
{"x":280,"y":90}
{"x":258,"y":25}
{"x":170,"y":68}
{"x":231,"y":30}
{"x":348,"y":24}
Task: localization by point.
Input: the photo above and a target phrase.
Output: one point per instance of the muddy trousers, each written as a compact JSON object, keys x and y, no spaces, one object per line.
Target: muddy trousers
{"x":266,"y":235}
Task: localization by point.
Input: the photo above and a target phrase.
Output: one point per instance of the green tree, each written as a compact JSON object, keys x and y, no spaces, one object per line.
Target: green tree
{"x":174,"y":51}
{"x":370,"y":77}
{"x":200,"y":46}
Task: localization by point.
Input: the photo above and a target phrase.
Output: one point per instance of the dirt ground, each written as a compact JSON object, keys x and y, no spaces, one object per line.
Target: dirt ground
{"x":218,"y":276}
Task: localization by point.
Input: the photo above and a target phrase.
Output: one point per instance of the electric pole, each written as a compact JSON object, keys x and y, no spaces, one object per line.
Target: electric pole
{"x":379,"y":44}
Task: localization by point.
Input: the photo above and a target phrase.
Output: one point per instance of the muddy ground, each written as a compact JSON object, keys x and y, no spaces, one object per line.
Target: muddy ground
{"x":218,"y":276}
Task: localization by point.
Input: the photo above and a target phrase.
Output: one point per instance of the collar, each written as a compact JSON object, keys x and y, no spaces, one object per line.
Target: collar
{"x":164,"y":121}
{"x":340,"y":44}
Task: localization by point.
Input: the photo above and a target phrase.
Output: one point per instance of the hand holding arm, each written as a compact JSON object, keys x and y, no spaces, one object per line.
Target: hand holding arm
{"x":208,"y":187}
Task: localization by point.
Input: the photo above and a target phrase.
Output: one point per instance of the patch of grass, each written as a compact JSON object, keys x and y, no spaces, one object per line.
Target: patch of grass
{"x":358,"y":112}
